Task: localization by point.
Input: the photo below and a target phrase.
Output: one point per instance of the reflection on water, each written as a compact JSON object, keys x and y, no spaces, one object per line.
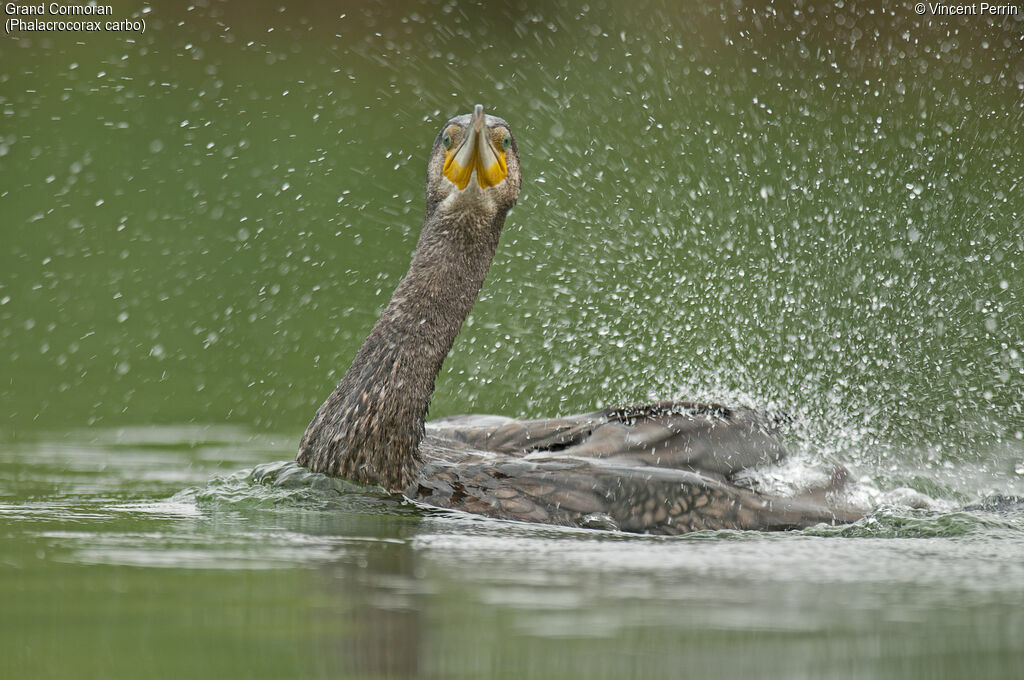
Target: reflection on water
{"x":321,"y":578}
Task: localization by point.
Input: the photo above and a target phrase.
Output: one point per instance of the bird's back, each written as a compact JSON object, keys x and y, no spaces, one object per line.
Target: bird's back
{"x":665,"y":468}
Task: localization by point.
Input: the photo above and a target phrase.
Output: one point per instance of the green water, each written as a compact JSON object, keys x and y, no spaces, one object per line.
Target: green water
{"x":818,"y":210}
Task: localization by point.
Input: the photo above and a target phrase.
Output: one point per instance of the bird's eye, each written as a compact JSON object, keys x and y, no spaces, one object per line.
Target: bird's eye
{"x":446,"y":139}
{"x":507,"y":142}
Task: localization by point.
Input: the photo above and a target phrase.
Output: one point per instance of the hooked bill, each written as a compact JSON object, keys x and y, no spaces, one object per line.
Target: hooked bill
{"x":478,"y":153}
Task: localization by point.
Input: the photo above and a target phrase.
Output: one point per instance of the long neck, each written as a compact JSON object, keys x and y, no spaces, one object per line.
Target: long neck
{"x":370,"y":428}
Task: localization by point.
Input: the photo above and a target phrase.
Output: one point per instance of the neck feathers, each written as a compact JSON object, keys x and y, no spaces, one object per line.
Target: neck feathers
{"x":370,"y":428}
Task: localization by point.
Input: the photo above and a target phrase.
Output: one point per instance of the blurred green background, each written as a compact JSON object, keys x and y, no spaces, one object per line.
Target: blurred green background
{"x":818,"y":208}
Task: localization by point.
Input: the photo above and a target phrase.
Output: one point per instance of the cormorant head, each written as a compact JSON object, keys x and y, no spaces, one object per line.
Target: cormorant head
{"x":474,"y":166}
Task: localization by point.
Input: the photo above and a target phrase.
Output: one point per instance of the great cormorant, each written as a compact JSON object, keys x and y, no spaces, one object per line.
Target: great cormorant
{"x":663,"y":468}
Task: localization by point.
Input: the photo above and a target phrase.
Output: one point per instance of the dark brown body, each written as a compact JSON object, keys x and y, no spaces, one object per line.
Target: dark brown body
{"x":662,"y":468}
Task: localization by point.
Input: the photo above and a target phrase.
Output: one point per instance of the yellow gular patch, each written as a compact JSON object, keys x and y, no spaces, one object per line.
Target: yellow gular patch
{"x":458,"y":174}
{"x":494,"y":173}
{"x":485,"y":158}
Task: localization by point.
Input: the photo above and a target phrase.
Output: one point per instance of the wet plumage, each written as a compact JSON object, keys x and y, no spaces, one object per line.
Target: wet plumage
{"x":659,"y":468}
